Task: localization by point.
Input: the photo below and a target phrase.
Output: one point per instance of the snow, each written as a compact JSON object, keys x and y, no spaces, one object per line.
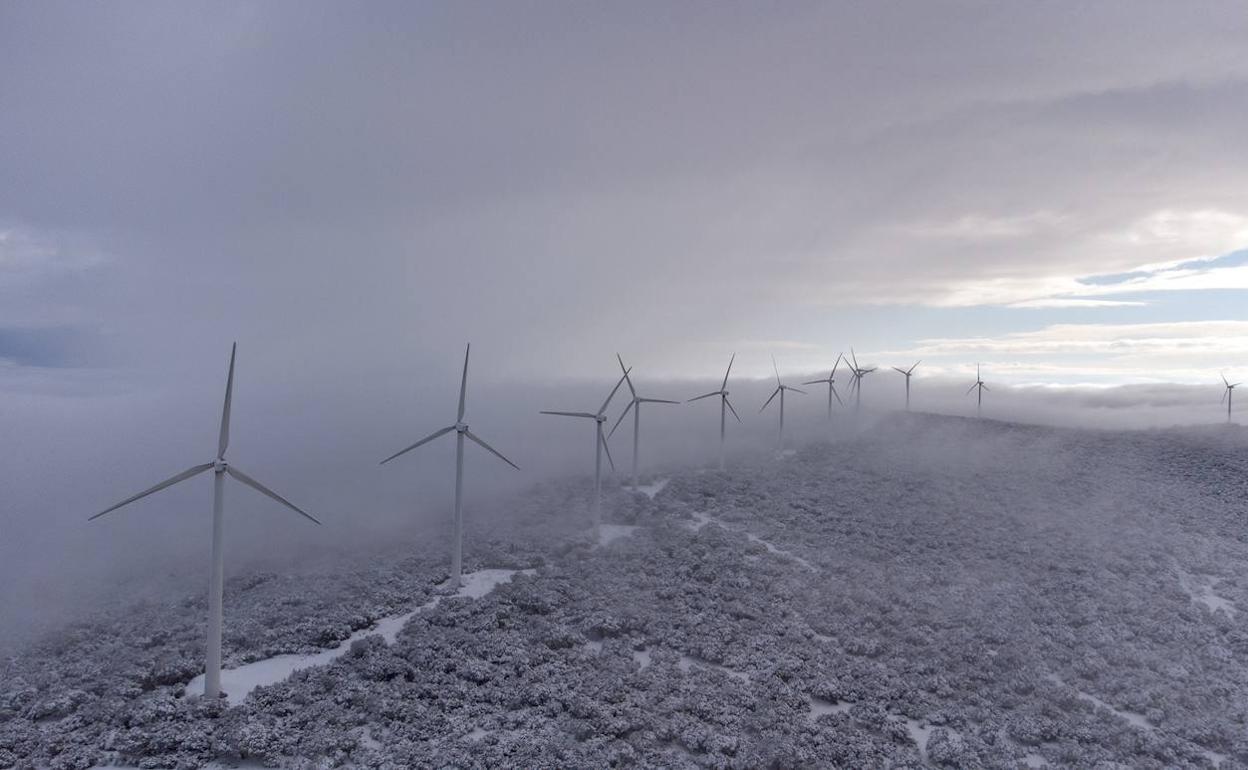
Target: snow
{"x":650,"y":490}
{"x":1136,"y":720}
{"x":239,"y":682}
{"x":702,"y":519}
{"x":1200,"y":589}
{"x":687,"y":662}
{"x":819,"y":707}
{"x":919,"y":734}
{"x":609,"y":533}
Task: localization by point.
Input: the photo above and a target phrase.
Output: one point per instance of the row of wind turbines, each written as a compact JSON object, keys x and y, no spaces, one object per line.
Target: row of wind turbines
{"x":221,"y":468}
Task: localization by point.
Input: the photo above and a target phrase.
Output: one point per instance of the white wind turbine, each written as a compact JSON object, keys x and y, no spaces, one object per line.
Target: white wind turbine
{"x":1228,"y":395}
{"x":831,"y":381}
{"x":907,"y":373}
{"x":979,"y":397}
{"x":724,"y":406}
{"x":634,"y":405}
{"x":856,"y":384}
{"x":461,"y":431}
{"x":600,"y":446}
{"x":780,"y":388}
{"x":216,"y":584}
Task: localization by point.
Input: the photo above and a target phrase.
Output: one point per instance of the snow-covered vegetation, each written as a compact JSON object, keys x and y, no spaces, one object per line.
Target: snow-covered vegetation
{"x":930,"y":593}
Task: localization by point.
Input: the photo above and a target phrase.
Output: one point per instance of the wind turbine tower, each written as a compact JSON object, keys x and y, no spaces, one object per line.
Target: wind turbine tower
{"x":216,"y":584}
{"x":856,"y":384}
{"x":724,"y":406}
{"x":907,"y":373}
{"x":979,"y":397}
{"x":600,"y":446}
{"x":780,"y":389}
{"x":635,"y":406}
{"x":461,"y":432}
{"x":1228,"y":395}
{"x":831,"y":383}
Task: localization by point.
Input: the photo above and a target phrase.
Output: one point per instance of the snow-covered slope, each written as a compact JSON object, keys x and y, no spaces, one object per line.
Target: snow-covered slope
{"x":935,"y":593}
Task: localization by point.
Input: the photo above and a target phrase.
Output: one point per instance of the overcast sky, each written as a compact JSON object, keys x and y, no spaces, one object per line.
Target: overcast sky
{"x":1056,"y":189}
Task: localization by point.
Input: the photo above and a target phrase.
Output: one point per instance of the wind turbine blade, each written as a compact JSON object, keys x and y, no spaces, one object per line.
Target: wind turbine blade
{"x":725,"y":385}
{"x":973,"y":387}
{"x":839,"y":356}
{"x":607,"y":449}
{"x":183,"y":476}
{"x":262,"y":489}
{"x":627,"y":379}
{"x":707,"y":395}
{"x":656,"y":401}
{"x":855,"y":357}
{"x":224,"y":440}
{"x":817,"y":382}
{"x":490,"y":449}
{"x":1224,"y":392}
{"x":838,"y":395}
{"x":776,"y":368}
{"x":868,"y":371}
{"x":797,"y":390}
{"x":603,"y":408}
{"x":463,"y":384}
{"x":623,"y":414}
{"x":773,"y":395}
{"x":734,"y":411}
{"x":424,"y":440}
{"x":916,"y":366}
{"x":985,"y":387}
{"x":574,"y":414}
{"x":899,"y":371}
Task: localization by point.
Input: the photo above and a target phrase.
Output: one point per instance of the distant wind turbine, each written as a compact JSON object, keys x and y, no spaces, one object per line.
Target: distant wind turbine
{"x":979,"y":398}
{"x":219,"y":467}
{"x":780,"y":389}
{"x":635,"y":406}
{"x":858,"y":373}
{"x":831,"y":382}
{"x":907,"y":373}
{"x":1228,"y":395}
{"x":461,"y":430}
{"x":600,"y":445}
{"x":724,"y":405}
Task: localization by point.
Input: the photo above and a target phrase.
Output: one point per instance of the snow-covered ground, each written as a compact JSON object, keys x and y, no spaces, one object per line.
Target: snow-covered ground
{"x":936,"y":593}
{"x":239,"y":682}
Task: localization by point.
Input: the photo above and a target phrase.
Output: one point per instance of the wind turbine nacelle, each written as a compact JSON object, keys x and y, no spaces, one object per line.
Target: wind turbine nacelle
{"x":461,"y":427}
{"x":600,"y":417}
{"x":219,"y":466}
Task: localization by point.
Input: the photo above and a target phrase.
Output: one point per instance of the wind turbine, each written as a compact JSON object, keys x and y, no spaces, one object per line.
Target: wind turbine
{"x":1228,"y":396}
{"x":979,"y":398}
{"x":831,"y":381}
{"x":634,"y":405}
{"x":461,"y":431}
{"x":600,"y":445}
{"x":856,"y":384}
{"x":780,"y":388}
{"x":216,"y":583}
{"x":907,"y":373}
{"x":724,"y":405}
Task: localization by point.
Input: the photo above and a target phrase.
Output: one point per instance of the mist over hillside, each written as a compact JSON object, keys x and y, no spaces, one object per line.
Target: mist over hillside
{"x":917,"y":591}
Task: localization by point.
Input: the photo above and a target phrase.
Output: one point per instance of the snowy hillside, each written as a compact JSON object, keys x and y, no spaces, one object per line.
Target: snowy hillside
{"x":934,"y":592}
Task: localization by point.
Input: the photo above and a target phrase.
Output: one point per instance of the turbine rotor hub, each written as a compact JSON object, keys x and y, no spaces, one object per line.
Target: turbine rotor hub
{"x":219,"y":465}
{"x":600,"y":417}
{"x":461,"y":427}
